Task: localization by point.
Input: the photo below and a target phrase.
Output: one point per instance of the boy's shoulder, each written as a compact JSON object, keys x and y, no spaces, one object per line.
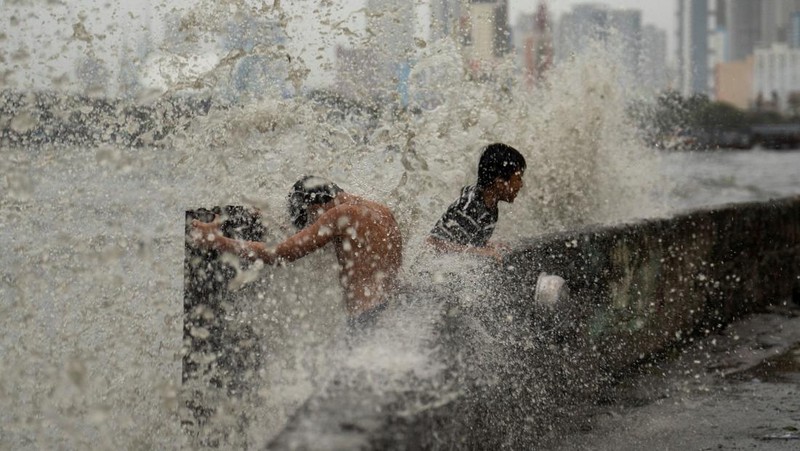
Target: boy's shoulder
{"x":466,"y":194}
{"x":469,"y":198}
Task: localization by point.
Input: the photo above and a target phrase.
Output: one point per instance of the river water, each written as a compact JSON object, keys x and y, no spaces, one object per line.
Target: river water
{"x":712,"y":178}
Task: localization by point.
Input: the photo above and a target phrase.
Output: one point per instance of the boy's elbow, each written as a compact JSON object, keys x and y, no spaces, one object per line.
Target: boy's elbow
{"x":438,"y":244}
{"x":433,"y":241}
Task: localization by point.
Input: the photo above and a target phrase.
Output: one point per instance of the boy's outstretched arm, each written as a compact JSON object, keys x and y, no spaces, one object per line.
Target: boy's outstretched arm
{"x":311,"y":238}
{"x":448,"y":246}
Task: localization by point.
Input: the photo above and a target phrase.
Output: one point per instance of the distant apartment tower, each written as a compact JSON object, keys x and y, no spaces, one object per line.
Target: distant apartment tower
{"x":777,"y":77}
{"x":776,"y":21}
{"x":579,"y":28}
{"x":794,"y":36}
{"x":653,"y":61}
{"x":719,"y":48}
{"x":743,"y":20}
{"x":733,"y":78}
{"x":480,"y":28}
{"x":733,"y":82}
{"x":718,"y":30}
{"x":626,"y":26}
{"x":533,"y":41}
{"x":750,"y":24}
{"x":445,"y":18}
{"x":588,"y":24}
{"x":693,"y":45}
{"x":486,"y":34}
{"x":759,"y":37}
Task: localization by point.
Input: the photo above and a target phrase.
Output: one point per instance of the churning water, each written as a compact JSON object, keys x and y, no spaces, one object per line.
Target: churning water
{"x":91,"y":280}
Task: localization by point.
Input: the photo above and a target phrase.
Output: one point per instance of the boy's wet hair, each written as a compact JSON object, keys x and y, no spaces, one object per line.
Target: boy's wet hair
{"x":499,"y":160}
{"x":306,"y":192}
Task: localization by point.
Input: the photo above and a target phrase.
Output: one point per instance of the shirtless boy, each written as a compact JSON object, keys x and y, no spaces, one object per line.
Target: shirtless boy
{"x":364,"y":235}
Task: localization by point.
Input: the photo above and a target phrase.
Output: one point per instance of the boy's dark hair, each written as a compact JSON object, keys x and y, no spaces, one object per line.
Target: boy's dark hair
{"x":306,"y":192}
{"x":499,"y":161}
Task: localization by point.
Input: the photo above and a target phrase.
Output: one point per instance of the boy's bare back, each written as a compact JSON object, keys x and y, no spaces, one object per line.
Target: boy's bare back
{"x":369,"y":249}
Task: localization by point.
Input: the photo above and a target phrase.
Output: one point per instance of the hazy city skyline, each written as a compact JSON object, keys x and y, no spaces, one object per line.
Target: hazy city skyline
{"x":660,"y":13}
{"x":46,"y":29}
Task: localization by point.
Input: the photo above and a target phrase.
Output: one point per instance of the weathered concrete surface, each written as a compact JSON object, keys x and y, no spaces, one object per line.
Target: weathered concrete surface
{"x":516,"y":372}
{"x":645,"y":286}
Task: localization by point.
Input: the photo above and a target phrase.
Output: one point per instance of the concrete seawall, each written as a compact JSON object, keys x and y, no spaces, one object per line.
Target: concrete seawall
{"x":636,"y":289}
{"x":642,"y":287}
{"x":513,"y":372}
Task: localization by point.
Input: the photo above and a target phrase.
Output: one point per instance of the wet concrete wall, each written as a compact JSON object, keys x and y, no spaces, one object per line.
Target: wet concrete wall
{"x":642,"y":287}
{"x":636,"y":290}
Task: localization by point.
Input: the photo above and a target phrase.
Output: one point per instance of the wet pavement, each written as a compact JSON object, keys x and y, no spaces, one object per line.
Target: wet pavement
{"x":732,"y":390}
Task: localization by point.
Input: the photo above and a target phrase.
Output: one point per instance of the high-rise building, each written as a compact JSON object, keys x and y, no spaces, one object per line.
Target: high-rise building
{"x":754,"y":35}
{"x":719,"y":37}
{"x":480,"y":29}
{"x":794,"y":34}
{"x":533,"y":42}
{"x":720,"y":7}
{"x":733,"y":82}
{"x":501,"y":36}
{"x":743,"y":20}
{"x":653,"y":61}
{"x":588,"y":24}
{"x":718,"y":47}
{"x":626,"y":27}
{"x":777,"y":77}
{"x":579,"y":28}
{"x":752,"y":24}
{"x":480,"y":47}
{"x":445,"y":18}
{"x":776,"y":21}
{"x":486,"y":34}
{"x":693,"y":55}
